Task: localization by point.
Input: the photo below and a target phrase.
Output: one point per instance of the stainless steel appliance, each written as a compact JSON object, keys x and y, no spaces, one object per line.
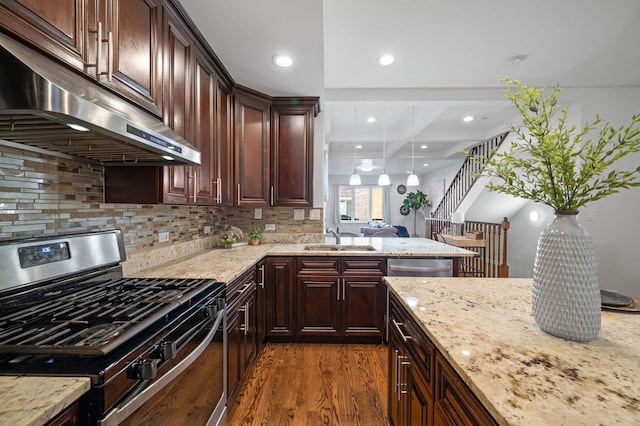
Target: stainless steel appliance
{"x":153,"y":348}
{"x":42,"y":104}
{"x":416,"y":267}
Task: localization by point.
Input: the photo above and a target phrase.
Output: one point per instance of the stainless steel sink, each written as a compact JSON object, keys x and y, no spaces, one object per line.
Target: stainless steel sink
{"x":339,"y":247}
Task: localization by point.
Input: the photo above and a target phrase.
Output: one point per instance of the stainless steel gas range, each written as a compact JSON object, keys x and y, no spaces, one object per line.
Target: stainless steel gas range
{"x":153,"y":348}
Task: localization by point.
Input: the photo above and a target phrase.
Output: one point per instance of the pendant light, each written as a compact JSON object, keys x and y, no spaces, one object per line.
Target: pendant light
{"x":412,"y":180}
{"x":355,"y":178}
{"x":384,"y":180}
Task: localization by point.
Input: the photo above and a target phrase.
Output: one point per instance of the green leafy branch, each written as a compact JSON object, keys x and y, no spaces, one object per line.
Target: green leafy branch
{"x":560,"y":165}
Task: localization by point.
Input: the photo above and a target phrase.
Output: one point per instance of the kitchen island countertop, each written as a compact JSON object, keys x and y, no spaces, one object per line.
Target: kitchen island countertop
{"x":225,"y":265}
{"x":522,"y":375}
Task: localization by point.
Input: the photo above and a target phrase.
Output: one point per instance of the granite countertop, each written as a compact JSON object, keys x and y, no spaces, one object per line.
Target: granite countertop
{"x":36,"y":400}
{"x":225,"y":265}
{"x":523,"y":375}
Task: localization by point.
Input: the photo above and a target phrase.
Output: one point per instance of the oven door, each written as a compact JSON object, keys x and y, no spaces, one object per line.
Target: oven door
{"x":188,"y":388}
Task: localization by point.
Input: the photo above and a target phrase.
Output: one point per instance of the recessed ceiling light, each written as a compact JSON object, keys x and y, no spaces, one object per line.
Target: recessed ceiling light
{"x":468,"y":118}
{"x":359,"y":146}
{"x":371,"y":119}
{"x":283,"y":61}
{"x":426,"y":164}
{"x":386,"y":59}
{"x":423,"y":146}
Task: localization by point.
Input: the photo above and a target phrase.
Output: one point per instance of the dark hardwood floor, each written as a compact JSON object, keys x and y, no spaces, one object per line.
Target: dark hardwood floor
{"x":314,"y":384}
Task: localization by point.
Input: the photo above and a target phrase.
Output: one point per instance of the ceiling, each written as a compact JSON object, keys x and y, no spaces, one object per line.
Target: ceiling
{"x":449,"y":57}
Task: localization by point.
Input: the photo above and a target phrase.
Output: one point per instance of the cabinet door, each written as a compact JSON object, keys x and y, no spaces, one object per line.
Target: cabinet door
{"x":362,"y":307}
{"x":204,"y":136}
{"x":177,"y":108}
{"x":58,"y":27}
{"x":318,"y":306}
{"x":396,"y":399}
{"x":224,"y":145}
{"x":132,"y":54}
{"x":292,"y":153}
{"x":279,"y":296}
{"x":419,"y":400}
{"x":251,"y":146}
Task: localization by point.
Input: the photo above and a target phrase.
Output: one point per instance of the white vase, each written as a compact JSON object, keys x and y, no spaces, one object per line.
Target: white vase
{"x":566,"y":294}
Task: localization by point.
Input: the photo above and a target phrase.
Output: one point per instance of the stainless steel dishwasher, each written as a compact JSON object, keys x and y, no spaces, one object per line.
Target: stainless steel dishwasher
{"x":419,"y":267}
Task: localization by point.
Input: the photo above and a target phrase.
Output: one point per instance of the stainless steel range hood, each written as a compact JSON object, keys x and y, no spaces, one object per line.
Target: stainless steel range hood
{"x":39,"y":98}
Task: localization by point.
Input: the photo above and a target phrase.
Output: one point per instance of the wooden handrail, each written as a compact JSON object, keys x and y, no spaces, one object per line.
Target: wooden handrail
{"x":466,"y":176}
{"x":492,"y":259}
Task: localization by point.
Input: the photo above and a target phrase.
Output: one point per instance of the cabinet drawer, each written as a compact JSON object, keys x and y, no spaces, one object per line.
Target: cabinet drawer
{"x":239,"y":287}
{"x":318,"y":265}
{"x":363,"y":266}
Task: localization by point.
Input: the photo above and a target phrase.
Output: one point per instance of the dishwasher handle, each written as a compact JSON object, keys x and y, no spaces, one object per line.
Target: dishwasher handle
{"x":419,"y":269}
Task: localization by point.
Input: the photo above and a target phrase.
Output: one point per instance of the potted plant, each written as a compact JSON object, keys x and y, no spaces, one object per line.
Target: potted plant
{"x":255,"y":236}
{"x":555,"y":163}
{"x":416,"y":201}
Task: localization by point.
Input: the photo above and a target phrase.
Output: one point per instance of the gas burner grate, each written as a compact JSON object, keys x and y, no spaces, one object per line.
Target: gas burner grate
{"x":91,"y":318}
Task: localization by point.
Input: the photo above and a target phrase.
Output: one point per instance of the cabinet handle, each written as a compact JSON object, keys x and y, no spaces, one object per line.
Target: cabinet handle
{"x":405,"y":338}
{"x":397,"y":371}
{"x":261,"y":276}
{"x":98,"y":32}
{"x":110,"y":56}
{"x":344,"y":291}
{"x":271,"y":201}
{"x":338,"y":291}
{"x":195,"y":186}
{"x":219,"y":191}
{"x":238,"y":194}
{"x":246,"y":286}
{"x":246,"y":318}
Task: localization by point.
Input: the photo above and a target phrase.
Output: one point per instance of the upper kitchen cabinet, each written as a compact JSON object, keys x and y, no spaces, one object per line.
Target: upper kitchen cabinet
{"x":128,"y":54}
{"x":57,"y":27}
{"x":224,"y":188}
{"x":116,"y":42}
{"x":292,"y":151}
{"x":251,"y":147}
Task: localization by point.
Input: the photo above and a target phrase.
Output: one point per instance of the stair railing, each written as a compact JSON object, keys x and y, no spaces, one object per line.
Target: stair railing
{"x":466,"y":176}
{"x":492,"y":252}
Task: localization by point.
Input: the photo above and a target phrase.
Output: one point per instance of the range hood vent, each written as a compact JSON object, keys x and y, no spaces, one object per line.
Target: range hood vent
{"x":40,"y":99}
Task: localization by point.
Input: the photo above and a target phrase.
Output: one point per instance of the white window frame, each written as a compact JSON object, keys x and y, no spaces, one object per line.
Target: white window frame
{"x":353,"y":191}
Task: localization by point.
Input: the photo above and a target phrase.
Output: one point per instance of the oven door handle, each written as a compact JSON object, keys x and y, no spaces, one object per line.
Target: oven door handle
{"x":125,"y":409}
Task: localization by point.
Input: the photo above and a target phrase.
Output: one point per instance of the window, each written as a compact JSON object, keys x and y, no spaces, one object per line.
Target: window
{"x":360,"y":203}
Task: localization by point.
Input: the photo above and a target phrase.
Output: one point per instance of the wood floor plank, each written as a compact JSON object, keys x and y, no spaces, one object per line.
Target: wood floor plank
{"x":314,"y":384}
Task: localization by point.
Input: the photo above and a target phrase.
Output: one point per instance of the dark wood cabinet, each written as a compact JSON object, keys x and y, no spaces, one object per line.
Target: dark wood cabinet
{"x":279,"y":276}
{"x":60,"y":28}
{"x":292,"y":151}
{"x":341,"y":297}
{"x":242,"y":322}
{"x":179,"y":59}
{"x":129,"y":50}
{"x":70,"y":416}
{"x":423,"y":387}
{"x":251,"y":148}
{"x":224,"y":156}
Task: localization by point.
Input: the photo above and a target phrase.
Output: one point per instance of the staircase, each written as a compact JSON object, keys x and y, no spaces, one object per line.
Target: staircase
{"x":492,"y":256}
{"x":466,"y":177}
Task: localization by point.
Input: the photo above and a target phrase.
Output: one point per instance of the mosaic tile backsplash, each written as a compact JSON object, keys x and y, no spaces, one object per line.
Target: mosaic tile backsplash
{"x":49,"y":195}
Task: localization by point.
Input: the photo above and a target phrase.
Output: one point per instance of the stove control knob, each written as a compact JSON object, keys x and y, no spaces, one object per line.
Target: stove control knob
{"x":167,"y":350}
{"x":144,"y":369}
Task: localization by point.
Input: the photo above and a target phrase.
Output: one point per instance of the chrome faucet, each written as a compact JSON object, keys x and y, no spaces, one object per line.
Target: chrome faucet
{"x":336,"y":233}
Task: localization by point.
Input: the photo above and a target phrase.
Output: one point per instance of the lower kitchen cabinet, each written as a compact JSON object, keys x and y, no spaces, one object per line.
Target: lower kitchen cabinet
{"x":69,"y":417}
{"x":423,"y":388}
{"x":340,"y":297}
{"x":242,"y":337}
{"x":279,"y":284}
